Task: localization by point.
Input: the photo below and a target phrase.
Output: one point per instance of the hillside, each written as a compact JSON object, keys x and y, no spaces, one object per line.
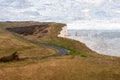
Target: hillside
{"x":47,"y":33}
{"x":80,"y":64}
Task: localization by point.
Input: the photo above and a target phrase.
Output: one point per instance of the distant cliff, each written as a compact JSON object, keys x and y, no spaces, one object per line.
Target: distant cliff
{"x":63,"y":32}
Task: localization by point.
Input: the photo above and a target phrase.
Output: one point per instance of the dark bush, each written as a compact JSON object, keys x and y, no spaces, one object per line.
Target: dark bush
{"x":12,"y":57}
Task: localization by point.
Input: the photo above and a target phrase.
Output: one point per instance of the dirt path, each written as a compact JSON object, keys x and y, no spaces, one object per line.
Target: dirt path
{"x":60,"y":51}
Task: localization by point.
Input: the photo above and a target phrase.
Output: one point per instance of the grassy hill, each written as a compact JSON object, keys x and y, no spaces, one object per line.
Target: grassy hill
{"x":81,"y":64}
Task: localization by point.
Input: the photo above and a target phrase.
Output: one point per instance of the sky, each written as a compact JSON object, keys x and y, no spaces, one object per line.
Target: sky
{"x":67,"y":11}
{"x":94,"y":25}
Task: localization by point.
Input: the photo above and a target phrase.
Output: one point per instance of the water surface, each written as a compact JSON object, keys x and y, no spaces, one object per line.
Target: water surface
{"x":102,"y":41}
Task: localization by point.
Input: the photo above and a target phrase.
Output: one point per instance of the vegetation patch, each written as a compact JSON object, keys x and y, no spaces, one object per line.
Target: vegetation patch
{"x":81,"y":64}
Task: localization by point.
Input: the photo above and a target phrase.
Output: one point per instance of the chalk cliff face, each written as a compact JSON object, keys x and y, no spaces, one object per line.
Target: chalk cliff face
{"x":63,"y":32}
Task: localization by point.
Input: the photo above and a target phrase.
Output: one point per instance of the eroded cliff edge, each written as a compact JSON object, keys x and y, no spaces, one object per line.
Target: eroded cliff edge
{"x":85,"y":65}
{"x":50,"y":33}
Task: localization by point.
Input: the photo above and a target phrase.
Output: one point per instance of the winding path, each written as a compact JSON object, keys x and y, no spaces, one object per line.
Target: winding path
{"x":60,"y":51}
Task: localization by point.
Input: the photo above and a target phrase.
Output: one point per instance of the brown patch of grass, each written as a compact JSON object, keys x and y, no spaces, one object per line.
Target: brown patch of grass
{"x":65,"y":68}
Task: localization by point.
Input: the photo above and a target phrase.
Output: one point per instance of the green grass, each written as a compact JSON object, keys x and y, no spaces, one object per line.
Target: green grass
{"x":75,"y":47}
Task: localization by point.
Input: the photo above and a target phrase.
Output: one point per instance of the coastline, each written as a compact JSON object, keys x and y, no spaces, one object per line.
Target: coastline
{"x":80,"y":64}
{"x":91,"y":42}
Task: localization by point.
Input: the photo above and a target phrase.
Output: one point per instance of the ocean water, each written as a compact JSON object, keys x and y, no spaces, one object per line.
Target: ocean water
{"x":102,"y":41}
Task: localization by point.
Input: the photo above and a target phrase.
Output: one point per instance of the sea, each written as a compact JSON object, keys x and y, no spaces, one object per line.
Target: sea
{"x":105,"y":42}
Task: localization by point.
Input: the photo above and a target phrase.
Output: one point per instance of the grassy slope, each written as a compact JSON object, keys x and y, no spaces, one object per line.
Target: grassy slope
{"x":10,"y":44}
{"x":64,"y":68}
{"x":87,"y":66}
{"x":75,"y":47}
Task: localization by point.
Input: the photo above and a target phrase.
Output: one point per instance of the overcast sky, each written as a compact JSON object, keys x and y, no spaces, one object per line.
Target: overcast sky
{"x":59,"y":10}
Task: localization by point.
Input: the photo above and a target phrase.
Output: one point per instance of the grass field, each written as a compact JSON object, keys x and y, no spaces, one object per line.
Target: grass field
{"x":81,"y":64}
{"x":10,"y":44}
